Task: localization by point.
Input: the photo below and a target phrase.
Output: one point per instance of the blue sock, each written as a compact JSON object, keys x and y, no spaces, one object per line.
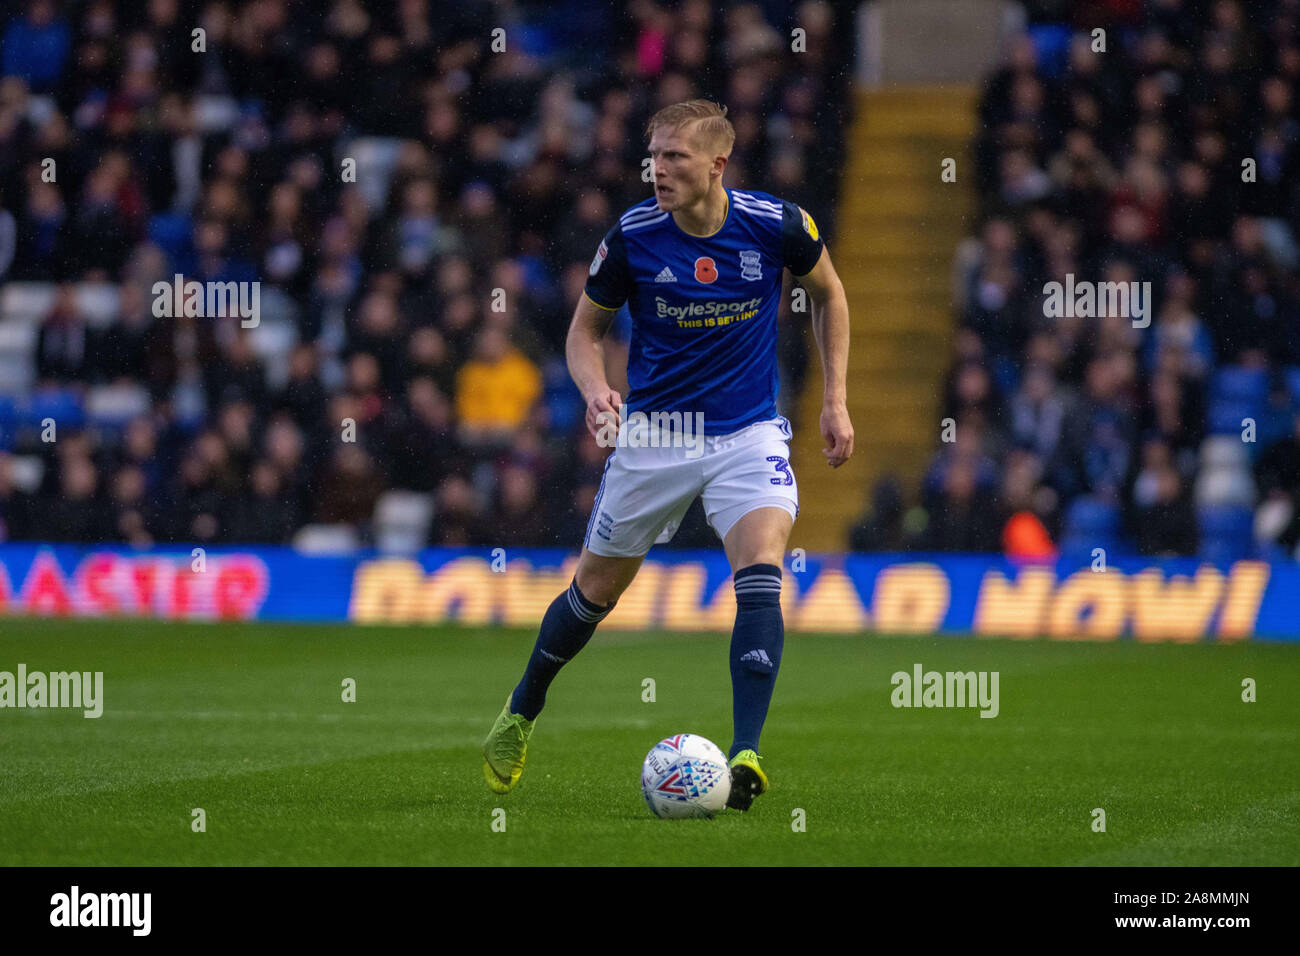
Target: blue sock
{"x":566,"y":628}
{"x":756,"y":644}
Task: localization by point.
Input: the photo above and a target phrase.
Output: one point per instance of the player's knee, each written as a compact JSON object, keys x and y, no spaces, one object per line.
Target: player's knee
{"x":760,"y":556}
{"x":601,"y":584}
{"x":760,"y":537}
{"x":597,"y":592}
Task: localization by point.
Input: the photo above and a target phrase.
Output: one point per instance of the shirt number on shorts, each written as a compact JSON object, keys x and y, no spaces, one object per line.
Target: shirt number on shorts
{"x":783,"y":466}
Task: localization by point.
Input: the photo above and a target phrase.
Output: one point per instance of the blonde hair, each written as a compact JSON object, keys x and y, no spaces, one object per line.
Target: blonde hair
{"x":710,"y":121}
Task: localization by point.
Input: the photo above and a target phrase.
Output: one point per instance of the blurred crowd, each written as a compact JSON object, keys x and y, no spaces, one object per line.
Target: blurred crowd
{"x":1169,"y":158}
{"x":420,"y":210}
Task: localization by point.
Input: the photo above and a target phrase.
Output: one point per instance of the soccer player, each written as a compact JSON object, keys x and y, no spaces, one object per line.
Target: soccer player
{"x":699,"y":267}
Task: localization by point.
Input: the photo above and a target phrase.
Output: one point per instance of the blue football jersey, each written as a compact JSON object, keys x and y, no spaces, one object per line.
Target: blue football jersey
{"x":704,"y":308}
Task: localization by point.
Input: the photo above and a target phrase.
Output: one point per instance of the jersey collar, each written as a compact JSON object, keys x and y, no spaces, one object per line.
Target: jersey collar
{"x":726,"y":218}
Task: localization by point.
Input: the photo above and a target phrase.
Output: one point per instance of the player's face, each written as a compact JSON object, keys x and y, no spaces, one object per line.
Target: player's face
{"x":683,"y":164}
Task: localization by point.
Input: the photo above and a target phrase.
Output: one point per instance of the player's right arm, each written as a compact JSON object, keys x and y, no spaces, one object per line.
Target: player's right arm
{"x":608,"y":286}
{"x":585,"y":351}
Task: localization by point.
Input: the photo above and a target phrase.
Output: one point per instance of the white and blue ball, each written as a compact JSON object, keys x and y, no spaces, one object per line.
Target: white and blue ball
{"x":685,"y":775}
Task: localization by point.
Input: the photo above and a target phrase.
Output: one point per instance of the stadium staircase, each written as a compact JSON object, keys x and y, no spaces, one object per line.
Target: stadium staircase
{"x":899,"y":226}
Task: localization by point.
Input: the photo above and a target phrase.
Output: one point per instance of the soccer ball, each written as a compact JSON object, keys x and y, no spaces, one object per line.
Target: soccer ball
{"x":685,"y":776}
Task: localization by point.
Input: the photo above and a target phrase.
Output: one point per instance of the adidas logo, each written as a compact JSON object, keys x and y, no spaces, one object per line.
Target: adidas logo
{"x":666,"y":276}
{"x":758,"y":655}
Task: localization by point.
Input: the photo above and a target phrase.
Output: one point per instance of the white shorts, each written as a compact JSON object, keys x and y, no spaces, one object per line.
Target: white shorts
{"x":646,"y":491}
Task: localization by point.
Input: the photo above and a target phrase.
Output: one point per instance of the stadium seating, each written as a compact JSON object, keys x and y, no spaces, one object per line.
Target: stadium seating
{"x":327,"y":539}
{"x":1091,"y":524}
{"x":402,"y":520}
{"x":219,"y":172}
{"x":1226,"y":534}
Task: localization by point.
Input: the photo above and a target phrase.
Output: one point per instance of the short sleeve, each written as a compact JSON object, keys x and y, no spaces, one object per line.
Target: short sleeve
{"x":609,"y":279}
{"x":801,"y":243}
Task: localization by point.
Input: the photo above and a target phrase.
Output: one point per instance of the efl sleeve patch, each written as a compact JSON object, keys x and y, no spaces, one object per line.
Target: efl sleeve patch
{"x":608,"y":282}
{"x":601,"y":254}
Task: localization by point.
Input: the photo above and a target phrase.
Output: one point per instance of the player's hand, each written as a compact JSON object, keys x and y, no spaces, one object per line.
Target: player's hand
{"x":837,"y":430}
{"x":604,"y":408}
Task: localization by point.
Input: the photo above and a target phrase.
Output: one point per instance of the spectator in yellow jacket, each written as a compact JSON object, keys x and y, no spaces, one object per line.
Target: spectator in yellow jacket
{"x":495,"y":390}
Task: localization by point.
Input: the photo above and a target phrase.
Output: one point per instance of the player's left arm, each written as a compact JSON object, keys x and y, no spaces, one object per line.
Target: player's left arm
{"x":830,"y":322}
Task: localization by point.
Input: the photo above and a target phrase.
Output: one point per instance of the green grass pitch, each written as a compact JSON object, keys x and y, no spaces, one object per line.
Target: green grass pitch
{"x":247,"y":722}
